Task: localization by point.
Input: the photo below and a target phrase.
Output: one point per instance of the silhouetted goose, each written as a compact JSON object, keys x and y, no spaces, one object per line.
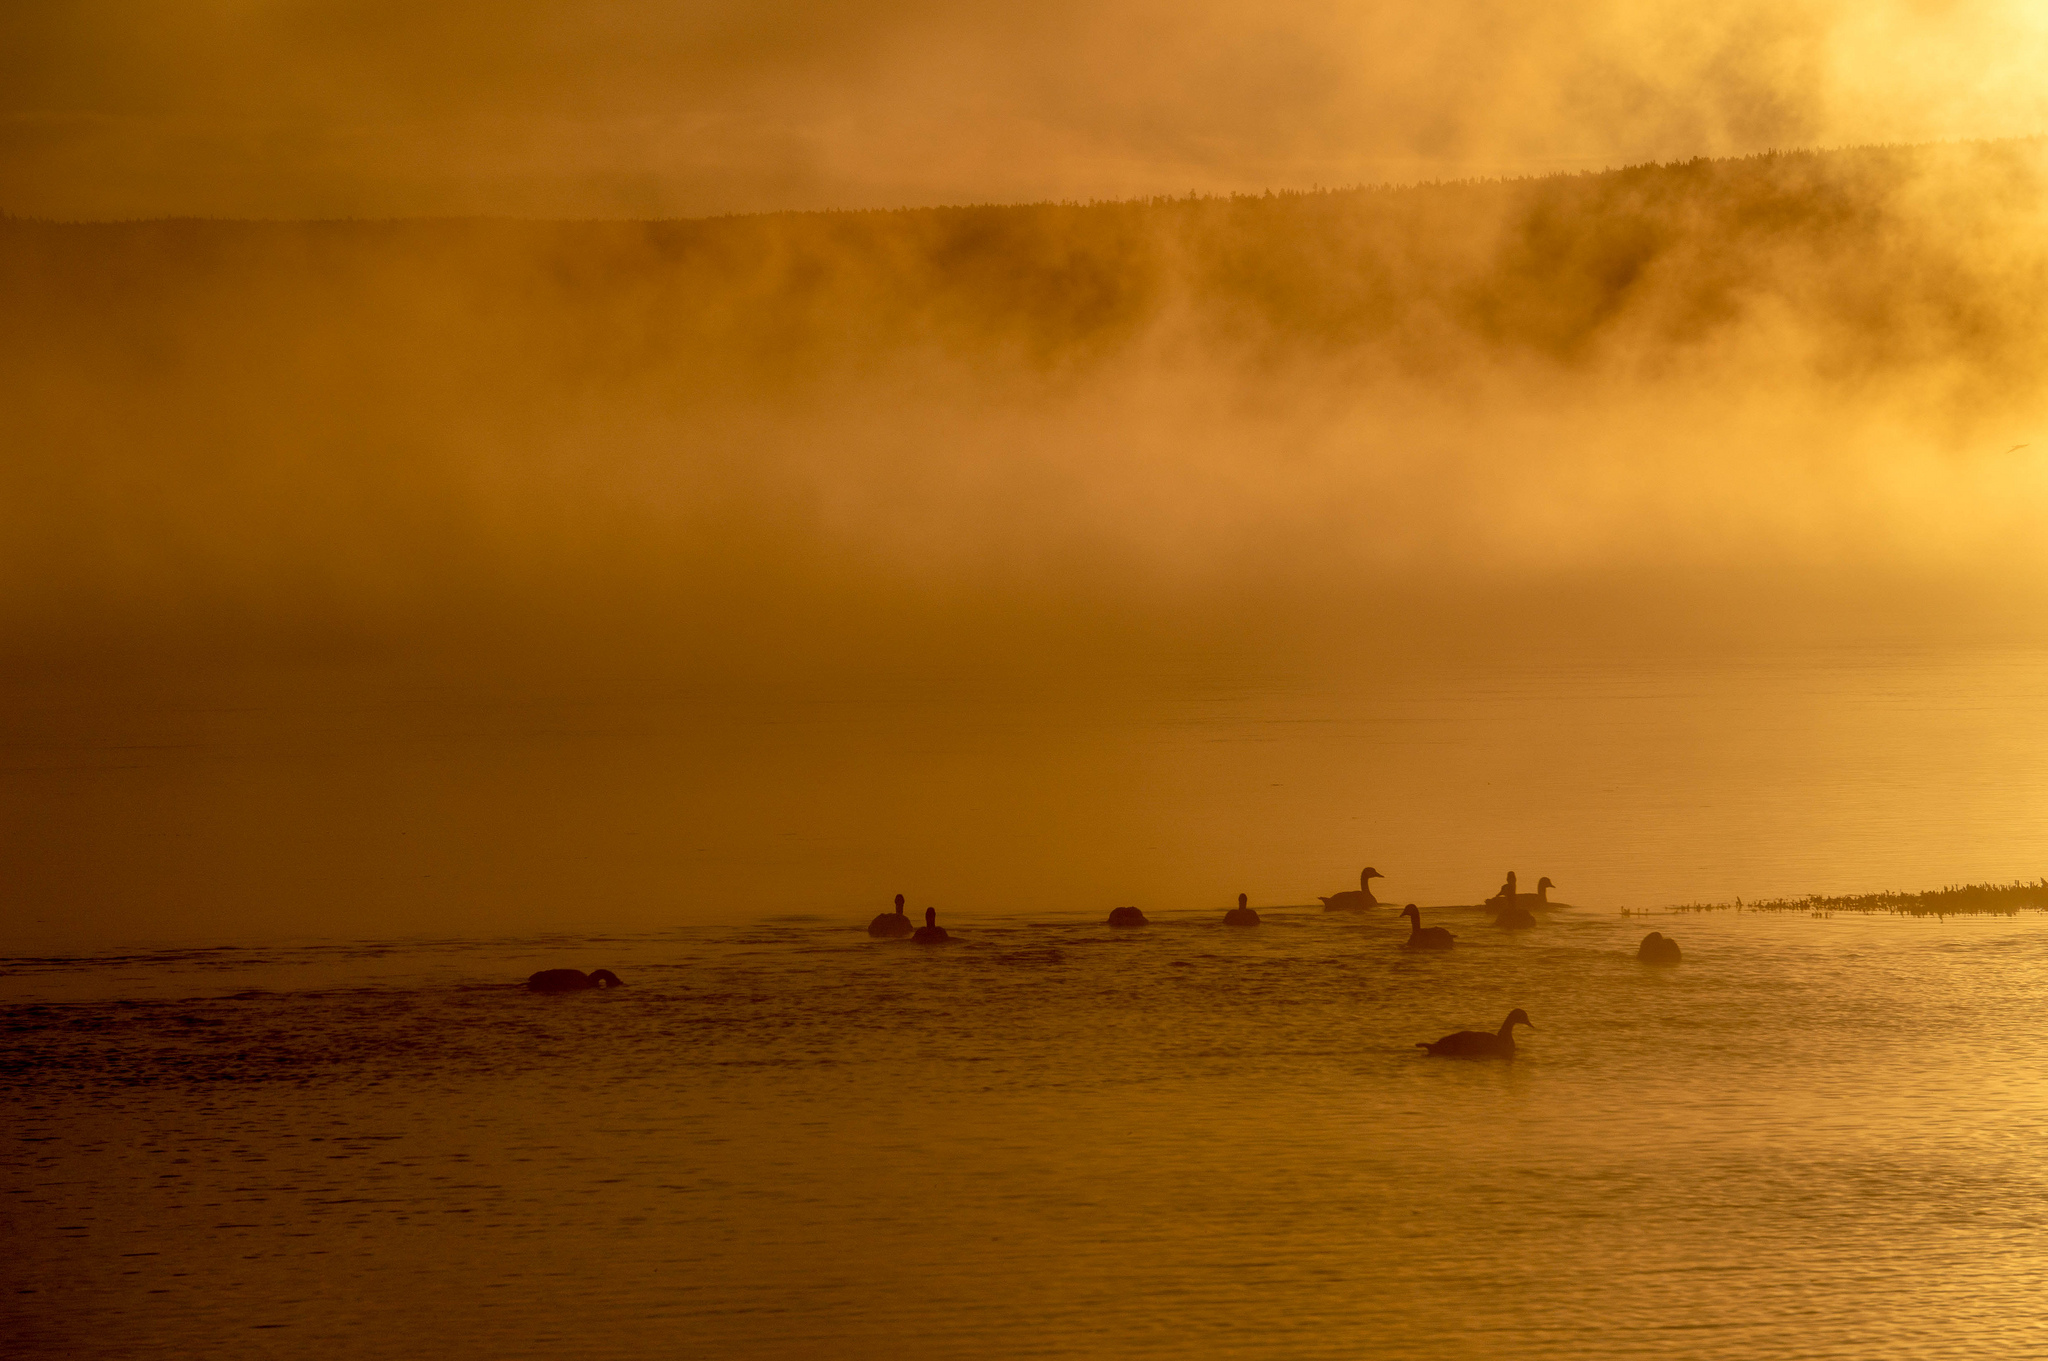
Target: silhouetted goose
{"x":1506,"y":896}
{"x":1658,"y":948}
{"x":1517,"y":910}
{"x":1421,"y":938}
{"x":1241,"y":915}
{"x":931,"y":933}
{"x":1354,"y":900}
{"x":1127,"y":916}
{"x":891,"y":924}
{"x":572,"y":980}
{"x":1514,"y":917}
{"x":1477,"y":1044}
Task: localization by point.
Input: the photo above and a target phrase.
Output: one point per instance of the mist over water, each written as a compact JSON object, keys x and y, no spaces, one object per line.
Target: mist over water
{"x":400,"y":599}
{"x":1699,"y":407}
{"x":475,"y":574}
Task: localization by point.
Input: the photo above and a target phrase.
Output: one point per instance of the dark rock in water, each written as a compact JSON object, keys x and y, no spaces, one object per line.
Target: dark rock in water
{"x":572,"y":980}
{"x":1658,"y":948}
{"x":891,"y":925}
{"x":1514,"y":918}
{"x":1241,"y":915}
{"x":1127,"y":916}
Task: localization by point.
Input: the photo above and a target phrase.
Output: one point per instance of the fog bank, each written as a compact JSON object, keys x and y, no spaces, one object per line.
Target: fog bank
{"x":1730,"y":402}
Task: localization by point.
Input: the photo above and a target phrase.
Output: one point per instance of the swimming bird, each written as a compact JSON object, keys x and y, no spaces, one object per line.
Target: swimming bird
{"x":1658,"y":948}
{"x":1514,"y":917}
{"x":1477,"y":1044}
{"x":1241,"y":915}
{"x":931,"y":933}
{"x":1127,"y":916}
{"x":1354,"y":900}
{"x":572,"y":980}
{"x":1515,"y":911}
{"x":891,"y":925}
{"x":1419,"y":938}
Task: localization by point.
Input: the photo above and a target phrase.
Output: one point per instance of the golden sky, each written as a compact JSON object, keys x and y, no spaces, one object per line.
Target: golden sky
{"x":295,"y":108}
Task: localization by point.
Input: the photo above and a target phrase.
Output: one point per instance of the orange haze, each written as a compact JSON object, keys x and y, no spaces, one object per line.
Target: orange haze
{"x":635,"y":109}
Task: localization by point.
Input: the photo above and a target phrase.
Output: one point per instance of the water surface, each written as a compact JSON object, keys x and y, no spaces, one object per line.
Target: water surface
{"x":373,"y":805}
{"x":1816,"y":1137}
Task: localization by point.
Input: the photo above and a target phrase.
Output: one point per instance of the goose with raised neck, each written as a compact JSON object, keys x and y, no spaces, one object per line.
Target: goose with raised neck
{"x":1422,"y":937}
{"x":1477,"y":1044}
{"x":890,"y":925}
{"x":1354,"y":899}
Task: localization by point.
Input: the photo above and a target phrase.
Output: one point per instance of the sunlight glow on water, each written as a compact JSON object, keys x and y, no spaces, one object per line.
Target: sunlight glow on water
{"x":1813,"y":1138}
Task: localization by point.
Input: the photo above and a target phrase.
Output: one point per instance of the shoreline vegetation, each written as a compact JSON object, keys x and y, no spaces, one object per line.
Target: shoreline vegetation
{"x":1957,"y":900}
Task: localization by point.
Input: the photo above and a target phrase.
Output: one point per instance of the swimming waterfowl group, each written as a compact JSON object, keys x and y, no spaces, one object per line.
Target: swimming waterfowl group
{"x":1510,"y":907}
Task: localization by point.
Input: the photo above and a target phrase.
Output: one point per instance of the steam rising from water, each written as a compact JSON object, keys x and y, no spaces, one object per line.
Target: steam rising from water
{"x":1717,"y":400}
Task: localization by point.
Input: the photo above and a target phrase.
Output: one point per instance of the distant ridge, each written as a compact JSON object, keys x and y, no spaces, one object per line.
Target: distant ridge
{"x":1569,"y":266}
{"x":1452,"y":412}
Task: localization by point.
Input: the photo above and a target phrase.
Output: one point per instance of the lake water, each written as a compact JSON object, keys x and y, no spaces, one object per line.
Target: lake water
{"x":378,"y":806}
{"x":271,"y":1088}
{"x":1815,"y":1137}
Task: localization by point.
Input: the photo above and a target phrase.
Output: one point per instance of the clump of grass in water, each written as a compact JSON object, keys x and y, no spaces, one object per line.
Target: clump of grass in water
{"x":1957,"y":900}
